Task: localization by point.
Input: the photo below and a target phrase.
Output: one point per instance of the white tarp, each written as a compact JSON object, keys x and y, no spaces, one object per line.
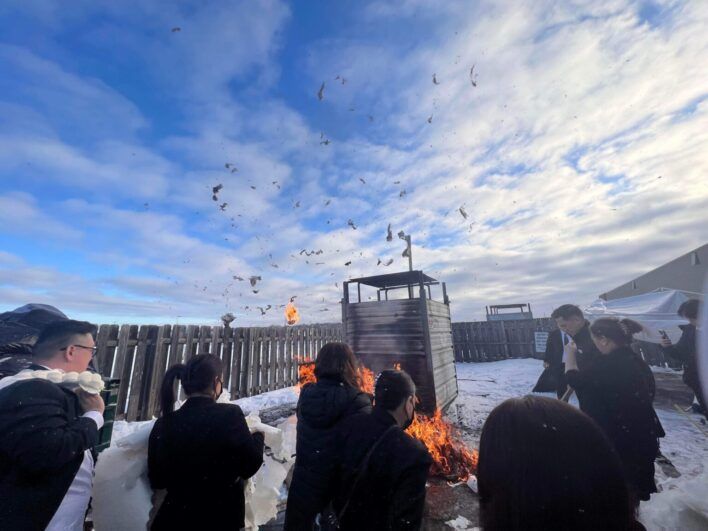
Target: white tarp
{"x":654,"y":311}
{"x":123,"y":499}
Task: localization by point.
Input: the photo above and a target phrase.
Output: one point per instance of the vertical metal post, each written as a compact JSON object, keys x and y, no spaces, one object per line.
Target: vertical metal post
{"x":410,"y":253}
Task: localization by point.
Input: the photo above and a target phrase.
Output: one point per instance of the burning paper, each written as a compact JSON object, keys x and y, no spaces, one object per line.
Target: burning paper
{"x":292,"y":316}
{"x":451,"y":458}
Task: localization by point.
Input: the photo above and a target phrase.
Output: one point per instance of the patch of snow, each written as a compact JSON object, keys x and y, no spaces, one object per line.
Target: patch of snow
{"x":461,"y":523}
{"x":281,"y":397}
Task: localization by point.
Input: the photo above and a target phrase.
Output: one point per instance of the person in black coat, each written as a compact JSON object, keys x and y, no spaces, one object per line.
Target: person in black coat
{"x":201,"y":453}
{"x":47,"y":432}
{"x":686,"y":352}
{"x":554,"y":364}
{"x":618,"y":392}
{"x":570,"y":319}
{"x":387,"y":490}
{"x":322,"y":405}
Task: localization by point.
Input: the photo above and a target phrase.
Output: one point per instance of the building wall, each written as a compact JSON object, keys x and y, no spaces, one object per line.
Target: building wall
{"x":685,"y":273}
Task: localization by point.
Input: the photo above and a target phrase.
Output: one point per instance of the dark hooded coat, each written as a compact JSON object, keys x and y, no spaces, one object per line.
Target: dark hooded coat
{"x":321,"y":407}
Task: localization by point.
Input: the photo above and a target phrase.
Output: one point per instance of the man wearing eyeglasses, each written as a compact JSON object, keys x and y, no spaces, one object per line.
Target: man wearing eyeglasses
{"x":47,"y":432}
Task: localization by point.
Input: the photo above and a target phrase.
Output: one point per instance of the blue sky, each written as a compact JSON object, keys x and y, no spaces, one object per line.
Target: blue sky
{"x":579,"y":156}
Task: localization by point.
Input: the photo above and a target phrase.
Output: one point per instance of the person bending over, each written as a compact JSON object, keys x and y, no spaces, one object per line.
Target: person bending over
{"x":321,"y":406}
{"x":201,"y":453}
{"x":619,"y":391}
{"x":382,"y":469}
{"x":545,"y":466}
{"x":47,"y":432}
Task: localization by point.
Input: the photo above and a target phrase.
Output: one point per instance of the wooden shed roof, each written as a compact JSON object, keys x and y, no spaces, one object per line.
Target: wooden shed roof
{"x":395,"y":280}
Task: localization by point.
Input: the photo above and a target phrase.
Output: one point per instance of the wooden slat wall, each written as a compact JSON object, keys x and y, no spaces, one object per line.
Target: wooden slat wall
{"x":496,"y":340}
{"x":256,"y":360}
{"x":442,"y":353}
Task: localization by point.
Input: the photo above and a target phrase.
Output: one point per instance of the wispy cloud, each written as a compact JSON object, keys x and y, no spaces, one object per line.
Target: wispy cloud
{"x":572,"y":134}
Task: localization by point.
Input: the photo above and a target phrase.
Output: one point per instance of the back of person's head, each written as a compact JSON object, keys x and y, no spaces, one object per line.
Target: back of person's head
{"x":689,"y":309}
{"x":544,"y":465}
{"x":60,"y":335}
{"x":619,"y":331}
{"x":393,"y":388}
{"x":567,"y":311}
{"x":198,"y":375}
{"x":337,"y":362}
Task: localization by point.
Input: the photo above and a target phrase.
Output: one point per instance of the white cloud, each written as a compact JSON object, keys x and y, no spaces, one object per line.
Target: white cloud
{"x":556,"y":156}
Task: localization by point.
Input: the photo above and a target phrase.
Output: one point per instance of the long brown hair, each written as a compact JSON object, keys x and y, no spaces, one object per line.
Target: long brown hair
{"x":337,"y":362}
{"x":545,"y":465}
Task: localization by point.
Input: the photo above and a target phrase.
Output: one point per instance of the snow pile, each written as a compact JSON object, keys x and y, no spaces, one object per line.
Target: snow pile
{"x":461,"y":523}
{"x":682,"y":504}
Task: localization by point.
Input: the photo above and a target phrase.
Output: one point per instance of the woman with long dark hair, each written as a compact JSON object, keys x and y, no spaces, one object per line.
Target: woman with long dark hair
{"x":544,"y":465}
{"x":619,"y":392}
{"x":201,"y":453}
{"x":321,"y":407}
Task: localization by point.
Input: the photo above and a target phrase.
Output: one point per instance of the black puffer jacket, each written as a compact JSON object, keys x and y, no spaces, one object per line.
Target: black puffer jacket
{"x":320,"y":408}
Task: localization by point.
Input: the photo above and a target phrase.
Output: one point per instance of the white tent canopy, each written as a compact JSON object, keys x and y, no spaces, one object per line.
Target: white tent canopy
{"x":654,"y":311}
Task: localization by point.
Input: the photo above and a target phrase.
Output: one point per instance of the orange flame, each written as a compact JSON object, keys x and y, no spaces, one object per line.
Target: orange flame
{"x":396,"y":366}
{"x":292,"y":316}
{"x":451,"y":458}
{"x":366,"y":380}
{"x":306,"y":373}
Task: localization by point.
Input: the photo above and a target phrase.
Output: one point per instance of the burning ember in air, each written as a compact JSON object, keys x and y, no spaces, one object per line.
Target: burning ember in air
{"x":292,"y":316}
{"x":451,"y":457}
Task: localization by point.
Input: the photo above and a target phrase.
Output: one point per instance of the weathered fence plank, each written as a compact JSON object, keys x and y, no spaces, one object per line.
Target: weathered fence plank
{"x":256,"y":360}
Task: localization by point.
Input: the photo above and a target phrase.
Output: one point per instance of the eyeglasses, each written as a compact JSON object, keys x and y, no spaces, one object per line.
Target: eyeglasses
{"x":92,"y":349}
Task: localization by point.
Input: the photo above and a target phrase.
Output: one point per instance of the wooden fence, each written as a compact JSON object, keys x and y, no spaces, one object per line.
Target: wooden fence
{"x":496,"y":340}
{"x":257,"y":360}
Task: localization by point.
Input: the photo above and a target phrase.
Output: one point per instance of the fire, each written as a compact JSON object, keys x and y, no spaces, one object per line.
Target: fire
{"x":366,"y":380}
{"x":451,"y":458}
{"x":292,"y":316}
{"x":306,"y":373}
{"x":396,"y":366}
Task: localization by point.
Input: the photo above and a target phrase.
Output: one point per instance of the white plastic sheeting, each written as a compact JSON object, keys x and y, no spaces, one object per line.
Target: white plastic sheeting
{"x":654,"y":311}
{"x":122,"y":497}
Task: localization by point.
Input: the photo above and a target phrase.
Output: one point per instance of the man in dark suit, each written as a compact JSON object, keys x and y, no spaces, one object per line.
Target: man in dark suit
{"x":388,"y":491}
{"x":570,"y":320}
{"x":554,"y":360}
{"x":46,"y":466}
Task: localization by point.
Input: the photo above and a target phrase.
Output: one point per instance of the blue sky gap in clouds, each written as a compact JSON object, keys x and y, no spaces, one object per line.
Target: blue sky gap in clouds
{"x":525,"y":146}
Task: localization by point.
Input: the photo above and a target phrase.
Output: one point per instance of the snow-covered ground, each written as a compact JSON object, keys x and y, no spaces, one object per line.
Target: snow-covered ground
{"x":482,"y":386}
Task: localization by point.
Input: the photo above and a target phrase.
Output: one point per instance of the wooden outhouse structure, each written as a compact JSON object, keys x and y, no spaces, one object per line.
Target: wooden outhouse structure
{"x":414,"y":331}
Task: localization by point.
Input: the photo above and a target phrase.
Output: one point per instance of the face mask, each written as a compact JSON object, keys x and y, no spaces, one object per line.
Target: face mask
{"x":221,"y":390}
{"x":409,"y":421}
